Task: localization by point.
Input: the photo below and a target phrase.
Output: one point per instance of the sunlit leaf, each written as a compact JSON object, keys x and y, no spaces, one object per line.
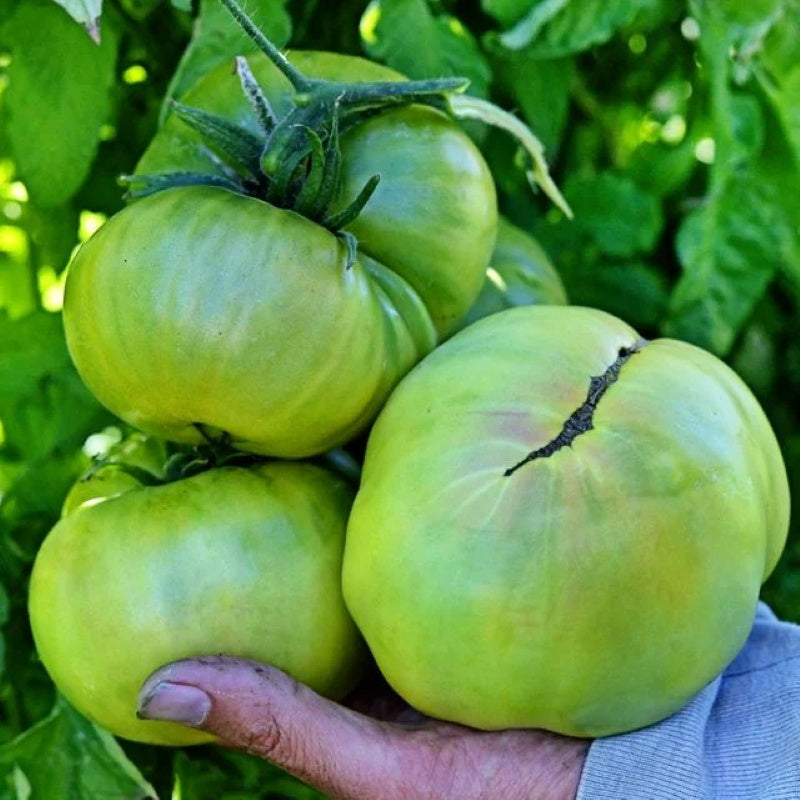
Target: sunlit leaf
{"x":731,"y":246}
{"x":754,"y":12}
{"x":57,"y":98}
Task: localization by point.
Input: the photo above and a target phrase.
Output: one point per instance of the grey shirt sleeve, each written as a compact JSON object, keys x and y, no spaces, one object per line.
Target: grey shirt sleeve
{"x":738,"y":739}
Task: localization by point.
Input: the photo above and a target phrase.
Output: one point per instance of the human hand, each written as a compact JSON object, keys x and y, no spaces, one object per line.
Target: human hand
{"x":356,"y":756}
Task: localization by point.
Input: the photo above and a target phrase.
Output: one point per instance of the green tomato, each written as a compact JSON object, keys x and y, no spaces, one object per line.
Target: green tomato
{"x":562,"y":526}
{"x":520,"y":273}
{"x":241,"y":561}
{"x":433,"y":218}
{"x":198,"y":312}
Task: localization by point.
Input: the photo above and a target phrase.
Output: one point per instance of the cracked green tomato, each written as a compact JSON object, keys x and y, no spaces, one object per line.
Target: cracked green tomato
{"x":563,"y":526}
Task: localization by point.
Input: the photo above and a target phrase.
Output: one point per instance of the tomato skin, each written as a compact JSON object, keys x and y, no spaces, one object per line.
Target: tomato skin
{"x":175,"y":323}
{"x":433,"y":217}
{"x":241,"y":561}
{"x":593,"y":590}
{"x":197,"y":312}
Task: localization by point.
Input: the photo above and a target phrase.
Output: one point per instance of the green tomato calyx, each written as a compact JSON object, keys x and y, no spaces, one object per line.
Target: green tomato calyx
{"x":582,"y":419}
{"x":293,"y":162}
{"x":181,"y":461}
{"x":169,"y":462}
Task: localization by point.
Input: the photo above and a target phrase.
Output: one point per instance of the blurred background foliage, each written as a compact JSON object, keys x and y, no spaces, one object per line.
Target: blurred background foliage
{"x":672,"y":127}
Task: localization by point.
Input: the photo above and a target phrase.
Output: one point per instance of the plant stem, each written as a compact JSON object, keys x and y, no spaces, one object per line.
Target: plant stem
{"x":295,"y":77}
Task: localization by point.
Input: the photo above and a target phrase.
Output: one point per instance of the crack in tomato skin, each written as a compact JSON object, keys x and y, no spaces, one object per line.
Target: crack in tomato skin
{"x":581,"y":420}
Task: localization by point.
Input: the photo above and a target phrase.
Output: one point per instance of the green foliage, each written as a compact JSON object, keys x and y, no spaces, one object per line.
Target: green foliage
{"x":407,"y":35}
{"x":555,"y":28}
{"x":65,"y":755}
{"x":210,"y":774}
{"x":59,"y":80}
{"x":672,"y":127}
{"x":619,"y":218}
{"x":722,"y":248}
{"x":87,"y":12}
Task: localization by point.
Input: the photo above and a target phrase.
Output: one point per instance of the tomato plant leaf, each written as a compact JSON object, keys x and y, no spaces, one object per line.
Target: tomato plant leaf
{"x":408,"y":36}
{"x":528,"y":28}
{"x":727,"y":250}
{"x":66,"y":756}
{"x":506,"y":11}
{"x":18,"y":291}
{"x":218,"y":38}
{"x":210,"y":777}
{"x":661,"y":168}
{"x":46,"y":414}
{"x":620,"y":218}
{"x":731,"y":247}
{"x":636,"y":291}
{"x":57,"y":98}
{"x":777,"y":69}
{"x":541,"y":90}
{"x":45,"y":410}
{"x":87,"y":13}
{"x":33,"y":347}
{"x":555,"y":28}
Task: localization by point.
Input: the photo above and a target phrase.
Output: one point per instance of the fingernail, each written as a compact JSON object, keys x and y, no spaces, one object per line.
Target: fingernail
{"x":174,"y":702}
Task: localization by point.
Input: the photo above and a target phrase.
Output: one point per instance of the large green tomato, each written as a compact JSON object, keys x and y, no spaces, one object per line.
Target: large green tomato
{"x":198,"y":312}
{"x":563,"y":526}
{"x":242,"y":561}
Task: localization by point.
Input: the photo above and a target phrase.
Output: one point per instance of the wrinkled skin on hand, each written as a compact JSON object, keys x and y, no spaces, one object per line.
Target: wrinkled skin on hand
{"x":375,"y":748}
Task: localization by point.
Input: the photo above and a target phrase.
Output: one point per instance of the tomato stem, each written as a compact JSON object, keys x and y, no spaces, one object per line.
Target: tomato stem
{"x":295,"y":161}
{"x":294,"y":76}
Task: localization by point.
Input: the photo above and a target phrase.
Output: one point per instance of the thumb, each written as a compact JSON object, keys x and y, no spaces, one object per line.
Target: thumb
{"x":259,"y":709}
